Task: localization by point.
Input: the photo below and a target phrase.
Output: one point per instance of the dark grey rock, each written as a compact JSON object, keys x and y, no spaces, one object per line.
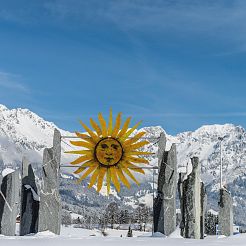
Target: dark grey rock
{"x":225,"y":213}
{"x":161,"y":148}
{"x":181,"y":200}
{"x":203,"y":210}
{"x":165,"y":202}
{"x":9,"y":199}
{"x":29,"y":201}
{"x":193,"y":203}
{"x":50,"y":202}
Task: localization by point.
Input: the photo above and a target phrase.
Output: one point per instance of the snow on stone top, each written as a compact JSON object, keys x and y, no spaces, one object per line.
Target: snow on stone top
{"x":7,"y":171}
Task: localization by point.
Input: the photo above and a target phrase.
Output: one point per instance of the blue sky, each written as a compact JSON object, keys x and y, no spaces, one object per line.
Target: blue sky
{"x":177,"y":64}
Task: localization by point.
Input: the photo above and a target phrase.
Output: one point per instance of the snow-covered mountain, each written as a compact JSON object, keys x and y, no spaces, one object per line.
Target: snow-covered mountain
{"x":23,"y":132}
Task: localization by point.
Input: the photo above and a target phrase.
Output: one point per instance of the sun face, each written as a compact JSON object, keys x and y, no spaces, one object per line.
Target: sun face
{"x":107,"y":151}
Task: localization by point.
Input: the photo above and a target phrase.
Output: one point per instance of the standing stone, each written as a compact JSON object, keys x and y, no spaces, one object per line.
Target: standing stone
{"x":29,"y":200}
{"x":9,"y":199}
{"x":181,"y":199}
{"x":161,"y":148}
{"x":225,"y":213}
{"x":158,"y":201}
{"x":192,"y":202}
{"x":203,"y":210}
{"x":50,"y":202}
{"x":165,"y":202}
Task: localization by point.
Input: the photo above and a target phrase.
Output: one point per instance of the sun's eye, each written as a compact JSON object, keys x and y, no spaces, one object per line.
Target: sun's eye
{"x":114,"y":146}
{"x":104,"y":146}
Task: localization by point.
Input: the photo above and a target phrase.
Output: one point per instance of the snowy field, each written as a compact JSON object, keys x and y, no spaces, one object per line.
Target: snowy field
{"x":77,"y":237}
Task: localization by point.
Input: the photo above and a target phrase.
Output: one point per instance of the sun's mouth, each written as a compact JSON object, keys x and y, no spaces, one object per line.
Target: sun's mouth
{"x":109,"y":159}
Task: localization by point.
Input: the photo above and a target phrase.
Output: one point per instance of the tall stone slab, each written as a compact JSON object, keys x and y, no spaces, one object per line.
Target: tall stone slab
{"x":165,"y":202}
{"x":161,"y":148}
{"x":29,"y":209}
{"x":181,"y":200}
{"x":158,"y":201}
{"x":225,"y":213}
{"x":192,"y":202}
{"x":9,"y":200}
{"x":203,"y":210}
{"x":50,"y":201}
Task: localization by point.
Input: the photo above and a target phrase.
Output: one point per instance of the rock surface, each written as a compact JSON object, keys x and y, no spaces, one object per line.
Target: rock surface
{"x":50,"y":202}
{"x":193,"y":200}
{"x":29,"y":200}
{"x":9,"y":199}
{"x":225,"y":213}
{"x":165,"y":202}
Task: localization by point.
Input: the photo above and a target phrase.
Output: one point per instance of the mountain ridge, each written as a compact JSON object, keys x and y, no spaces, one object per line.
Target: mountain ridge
{"x":23,"y":132}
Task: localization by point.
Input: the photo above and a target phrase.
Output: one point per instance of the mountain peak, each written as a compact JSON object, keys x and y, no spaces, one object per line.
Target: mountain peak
{"x":3,"y":107}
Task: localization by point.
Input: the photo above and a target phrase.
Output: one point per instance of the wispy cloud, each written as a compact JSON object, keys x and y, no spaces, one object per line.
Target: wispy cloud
{"x":12,"y":82}
{"x":146,"y":15}
{"x":221,"y":20}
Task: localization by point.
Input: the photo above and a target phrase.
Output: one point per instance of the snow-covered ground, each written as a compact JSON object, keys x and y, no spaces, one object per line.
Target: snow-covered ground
{"x":77,"y":236}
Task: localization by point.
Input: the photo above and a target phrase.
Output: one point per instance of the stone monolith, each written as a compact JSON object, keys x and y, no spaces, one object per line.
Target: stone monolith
{"x":192,"y":201}
{"x":165,"y":202}
{"x":225,"y":213}
{"x":9,"y":200}
{"x":50,"y":202}
{"x":29,"y":209}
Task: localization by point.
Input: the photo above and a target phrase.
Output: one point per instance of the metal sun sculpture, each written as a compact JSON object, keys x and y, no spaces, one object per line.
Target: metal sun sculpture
{"x":108,"y":151}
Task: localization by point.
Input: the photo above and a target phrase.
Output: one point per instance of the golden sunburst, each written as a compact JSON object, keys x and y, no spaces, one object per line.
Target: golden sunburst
{"x":107,"y":151}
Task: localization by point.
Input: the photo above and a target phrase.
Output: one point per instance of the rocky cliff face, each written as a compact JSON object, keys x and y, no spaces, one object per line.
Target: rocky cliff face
{"x":23,"y":132}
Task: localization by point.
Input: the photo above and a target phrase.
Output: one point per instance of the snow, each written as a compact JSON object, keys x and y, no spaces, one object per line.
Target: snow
{"x":78,"y":236}
{"x":76,"y":216}
{"x":34,"y":194}
{"x":213,"y":212}
{"x":147,"y":199}
{"x":7,"y":171}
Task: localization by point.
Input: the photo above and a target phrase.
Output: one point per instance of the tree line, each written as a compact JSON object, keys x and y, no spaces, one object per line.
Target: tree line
{"x":112,"y":216}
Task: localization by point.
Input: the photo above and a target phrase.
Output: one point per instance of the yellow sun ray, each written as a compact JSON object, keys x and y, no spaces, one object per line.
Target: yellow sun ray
{"x":130,"y":175}
{"x":94,"y":177}
{"x":101,"y":175}
{"x":85,"y":166}
{"x":85,"y":137}
{"x":133,"y":167}
{"x":115,"y":179}
{"x":110,"y":123}
{"x":117,"y":126}
{"x":83,"y":144}
{"x":136,"y":145}
{"x":108,"y":180}
{"x":137,"y":160}
{"x":94,"y":137}
{"x":79,"y":152}
{"x":103,"y":125}
{"x":122,"y":178}
{"x":134,"y":139}
{"x":96,"y":127}
{"x":129,"y":132}
{"x":87,"y":172}
{"x":82,"y":159}
{"x":124,"y":128}
{"x":130,"y":153}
